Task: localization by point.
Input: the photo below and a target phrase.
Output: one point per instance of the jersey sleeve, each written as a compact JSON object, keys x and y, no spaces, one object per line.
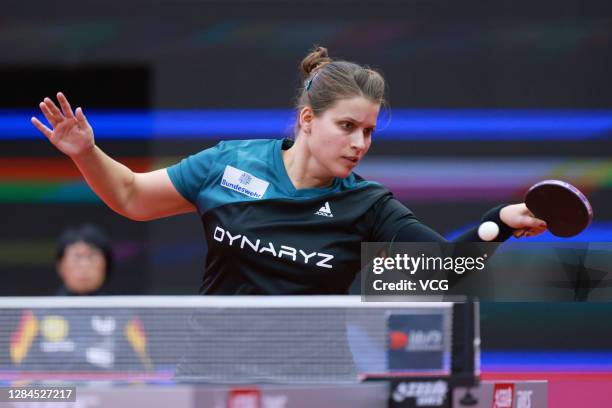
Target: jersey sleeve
{"x":388,"y":217}
{"x":392,"y":221}
{"x":191,"y":173}
{"x":418,"y":232}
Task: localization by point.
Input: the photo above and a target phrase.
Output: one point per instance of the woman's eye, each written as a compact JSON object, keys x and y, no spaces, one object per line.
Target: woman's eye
{"x":346,"y":125}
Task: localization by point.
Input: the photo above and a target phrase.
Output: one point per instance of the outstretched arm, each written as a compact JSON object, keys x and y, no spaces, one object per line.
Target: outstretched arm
{"x":138,"y":196}
{"x":511,"y":219}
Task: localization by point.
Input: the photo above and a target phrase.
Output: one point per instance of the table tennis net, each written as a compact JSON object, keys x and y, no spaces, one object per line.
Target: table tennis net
{"x":313,"y":339}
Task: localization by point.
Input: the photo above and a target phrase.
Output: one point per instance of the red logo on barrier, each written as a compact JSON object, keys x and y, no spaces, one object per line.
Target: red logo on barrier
{"x":398,"y":340}
{"x":503,"y":395}
{"x":244,"y":398}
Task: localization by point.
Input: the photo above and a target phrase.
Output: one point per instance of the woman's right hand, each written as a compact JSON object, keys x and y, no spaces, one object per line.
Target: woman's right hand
{"x":71,"y":133}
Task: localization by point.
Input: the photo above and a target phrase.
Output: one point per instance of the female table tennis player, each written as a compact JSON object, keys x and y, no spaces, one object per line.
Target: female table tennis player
{"x":280,"y":216}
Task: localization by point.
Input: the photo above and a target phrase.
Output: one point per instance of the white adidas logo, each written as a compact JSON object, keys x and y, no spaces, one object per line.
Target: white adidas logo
{"x":325,"y":211}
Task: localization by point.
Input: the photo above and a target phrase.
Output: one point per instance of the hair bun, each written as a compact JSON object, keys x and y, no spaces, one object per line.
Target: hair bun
{"x":317,"y":59}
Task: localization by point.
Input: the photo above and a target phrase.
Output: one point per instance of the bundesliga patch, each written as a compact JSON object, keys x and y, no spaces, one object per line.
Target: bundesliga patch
{"x":243,"y":182}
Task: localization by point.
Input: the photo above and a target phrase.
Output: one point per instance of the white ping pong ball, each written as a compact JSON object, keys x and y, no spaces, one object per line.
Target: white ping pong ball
{"x":488,"y":231}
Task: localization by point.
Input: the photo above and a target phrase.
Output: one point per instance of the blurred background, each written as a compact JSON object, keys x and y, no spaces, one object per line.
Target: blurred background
{"x":487,"y":97}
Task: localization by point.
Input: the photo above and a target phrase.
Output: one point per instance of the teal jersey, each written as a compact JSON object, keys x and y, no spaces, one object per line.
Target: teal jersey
{"x":265,"y":236}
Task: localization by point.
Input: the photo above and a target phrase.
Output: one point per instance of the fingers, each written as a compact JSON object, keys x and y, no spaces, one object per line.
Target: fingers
{"x":43,"y":129}
{"x":535,"y":232}
{"x":81,"y":119}
{"x":50,"y":117}
{"x":53,"y":115}
{"x":529,"y":232}
{"x":66,"y":109}
{"x":532,"y":222}
{"x":527,"y":223}
{"x":57,"y":114}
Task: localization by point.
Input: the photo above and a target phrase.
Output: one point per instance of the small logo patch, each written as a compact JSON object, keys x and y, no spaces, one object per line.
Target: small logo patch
{"x":243,"y":182}
{"x":325,"y":211}
{"x":245,"y":179}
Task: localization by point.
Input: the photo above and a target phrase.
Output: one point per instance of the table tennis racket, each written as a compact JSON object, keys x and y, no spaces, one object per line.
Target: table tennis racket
{"x":565,"y":209}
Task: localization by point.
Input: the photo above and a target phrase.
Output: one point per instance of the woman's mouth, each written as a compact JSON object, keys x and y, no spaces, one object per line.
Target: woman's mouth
{"x":351,"y":159}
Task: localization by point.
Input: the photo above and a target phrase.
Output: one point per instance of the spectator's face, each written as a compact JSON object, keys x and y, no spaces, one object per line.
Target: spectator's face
{"x":83,"y":268}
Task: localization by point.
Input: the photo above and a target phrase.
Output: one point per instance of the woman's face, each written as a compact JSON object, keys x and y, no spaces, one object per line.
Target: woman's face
{"x":341,"y":136}
{"x":82,"y":268}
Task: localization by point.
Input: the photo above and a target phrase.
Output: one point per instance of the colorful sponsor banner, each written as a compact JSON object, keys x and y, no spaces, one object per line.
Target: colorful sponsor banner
{"x":416,"y":342}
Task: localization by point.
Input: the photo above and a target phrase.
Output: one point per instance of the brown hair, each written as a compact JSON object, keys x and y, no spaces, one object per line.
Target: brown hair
{"x":325,"y":81}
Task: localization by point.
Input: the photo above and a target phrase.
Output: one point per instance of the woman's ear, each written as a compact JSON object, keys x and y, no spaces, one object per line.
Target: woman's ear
{"x":306,"y":117}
